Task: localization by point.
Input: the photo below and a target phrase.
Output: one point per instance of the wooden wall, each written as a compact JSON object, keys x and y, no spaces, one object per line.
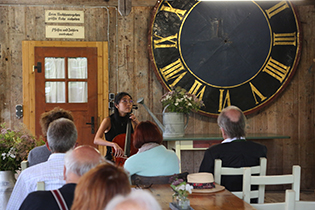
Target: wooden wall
{"x":292,"y":113}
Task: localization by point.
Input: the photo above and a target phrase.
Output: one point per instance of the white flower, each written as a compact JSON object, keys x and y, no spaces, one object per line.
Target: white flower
{"x":181,"y":187}
{"x":176,"y":104}
{"x":3,"y":155}
{"x":189,"y":188}
{"x":189,"y":104}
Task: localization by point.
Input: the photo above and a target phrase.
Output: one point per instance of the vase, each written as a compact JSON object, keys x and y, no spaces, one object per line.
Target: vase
{"x":7,"y":182}
{"x":174,"y":124}
{"x":183,"y":202}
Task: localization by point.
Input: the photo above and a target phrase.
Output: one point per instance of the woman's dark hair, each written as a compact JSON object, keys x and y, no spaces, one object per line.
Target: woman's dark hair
{"x":117,"y":99}
{"x":147,"y":132}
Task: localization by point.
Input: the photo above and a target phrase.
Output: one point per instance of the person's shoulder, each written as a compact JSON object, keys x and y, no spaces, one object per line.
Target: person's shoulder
{"x":39,"y":194}
{"x":254,"y":143}
{"x":36,"y":200}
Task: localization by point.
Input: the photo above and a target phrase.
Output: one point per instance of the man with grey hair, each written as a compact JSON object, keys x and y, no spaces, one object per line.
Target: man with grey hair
{"x":61,"y":137}
{"x":234,"y":150}
{"x":77,"y":162}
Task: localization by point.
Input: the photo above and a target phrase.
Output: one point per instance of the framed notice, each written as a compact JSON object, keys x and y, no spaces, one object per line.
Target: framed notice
{"x":74,"y":32}
{"x":64,"y":16}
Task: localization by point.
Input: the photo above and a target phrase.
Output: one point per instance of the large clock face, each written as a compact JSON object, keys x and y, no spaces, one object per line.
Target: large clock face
{"x":226,"y":53}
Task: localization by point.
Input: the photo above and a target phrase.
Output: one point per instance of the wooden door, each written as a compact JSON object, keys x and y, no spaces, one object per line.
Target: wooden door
{"x":68,"y":79}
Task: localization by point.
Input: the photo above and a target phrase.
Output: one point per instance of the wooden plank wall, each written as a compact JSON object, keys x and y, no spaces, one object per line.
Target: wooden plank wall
{"x":292,"y":113}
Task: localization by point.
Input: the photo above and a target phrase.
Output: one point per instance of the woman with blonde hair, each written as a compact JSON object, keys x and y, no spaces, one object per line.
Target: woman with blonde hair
{"x":98,"y":186}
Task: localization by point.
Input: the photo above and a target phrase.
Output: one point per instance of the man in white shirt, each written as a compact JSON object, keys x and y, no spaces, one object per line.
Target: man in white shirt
{"x":61,"y":137}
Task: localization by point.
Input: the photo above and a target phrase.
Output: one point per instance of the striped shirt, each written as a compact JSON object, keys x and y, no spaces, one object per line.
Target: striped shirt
{"x":51,"y":172}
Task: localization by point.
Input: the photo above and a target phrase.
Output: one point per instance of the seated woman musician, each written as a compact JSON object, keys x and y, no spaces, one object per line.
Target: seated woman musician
{"x":152,"y":158}
{"x":116,"y":124}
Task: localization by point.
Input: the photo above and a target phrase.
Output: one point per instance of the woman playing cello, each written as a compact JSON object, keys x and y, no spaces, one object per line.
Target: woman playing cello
{"x":116,"y":124}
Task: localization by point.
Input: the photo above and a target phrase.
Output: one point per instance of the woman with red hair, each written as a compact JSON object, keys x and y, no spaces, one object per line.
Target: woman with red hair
{"x":152,"y":159}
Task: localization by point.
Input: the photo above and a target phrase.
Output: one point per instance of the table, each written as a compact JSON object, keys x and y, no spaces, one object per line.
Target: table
{"x":204,"y":141}
{"x":223,"y":200}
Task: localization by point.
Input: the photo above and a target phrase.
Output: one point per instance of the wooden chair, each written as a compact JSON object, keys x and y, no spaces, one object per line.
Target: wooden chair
{"x":219,"y":171}
{"x":150,"y":180}
{"x":249,"y":180}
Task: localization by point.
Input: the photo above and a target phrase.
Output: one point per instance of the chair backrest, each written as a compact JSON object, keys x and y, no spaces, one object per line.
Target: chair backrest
{"x":24,"y":164}
{"x":149,"y":180}
{"x":219,"y":171}
{"x":40,"y":186}
{"x":289,"y":203}
{"x":249,"y":180}
{"x":305,"y":205}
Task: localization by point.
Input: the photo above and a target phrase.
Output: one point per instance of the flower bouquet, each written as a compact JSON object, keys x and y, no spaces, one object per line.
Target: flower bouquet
{"x":181,"y":190}
{"x":14,"y":147}
{"x":179,"y":100}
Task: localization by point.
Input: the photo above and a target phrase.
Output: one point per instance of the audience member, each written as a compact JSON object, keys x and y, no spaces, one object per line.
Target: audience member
{"x":61,"y":137}
{"x":77,"y":162}
{"x":136,"y":200}
{"x":234,"y":150}
{"x":98,"y":186}
{"x":152,"y":159}
{"x":41,"y":153}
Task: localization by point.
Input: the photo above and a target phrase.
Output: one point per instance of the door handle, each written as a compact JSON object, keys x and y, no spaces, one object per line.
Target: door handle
{"x":92,"y":125}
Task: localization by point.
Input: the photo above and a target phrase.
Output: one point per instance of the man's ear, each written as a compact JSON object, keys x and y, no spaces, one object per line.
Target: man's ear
{"x":223,"y":133}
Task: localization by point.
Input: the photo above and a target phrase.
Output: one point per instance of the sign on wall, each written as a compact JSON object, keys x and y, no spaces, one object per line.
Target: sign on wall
{"x":75,"y":32}
{"x":64,"y":16}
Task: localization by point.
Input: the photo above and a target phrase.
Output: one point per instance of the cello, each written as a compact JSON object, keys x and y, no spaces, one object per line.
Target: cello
{"x":125,"y":141}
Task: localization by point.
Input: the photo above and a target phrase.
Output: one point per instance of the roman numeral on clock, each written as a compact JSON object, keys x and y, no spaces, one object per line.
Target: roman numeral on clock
{"x":276,"y":9}
{"x":256,"y":92}
{"x":276,"y":69}
{"x":175,"y":71}
{"x":224,"y":101}
{"x":165,"y":42}
{"x":197,"y":89}
{"x":168,"y":8}
{"x":284,"y":39}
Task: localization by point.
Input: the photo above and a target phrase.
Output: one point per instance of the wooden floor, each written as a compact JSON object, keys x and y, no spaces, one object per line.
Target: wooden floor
{"x":278,"y":196}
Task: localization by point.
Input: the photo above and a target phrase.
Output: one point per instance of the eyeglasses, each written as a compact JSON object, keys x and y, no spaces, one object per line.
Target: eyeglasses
{"x":125,"y":101}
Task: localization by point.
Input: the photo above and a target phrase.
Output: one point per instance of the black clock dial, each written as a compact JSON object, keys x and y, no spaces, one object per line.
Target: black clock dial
{"x":227,"y":53}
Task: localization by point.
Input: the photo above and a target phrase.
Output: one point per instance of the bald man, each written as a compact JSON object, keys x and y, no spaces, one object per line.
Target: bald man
{"x":234,"y":150}
{"x":77,"y":162}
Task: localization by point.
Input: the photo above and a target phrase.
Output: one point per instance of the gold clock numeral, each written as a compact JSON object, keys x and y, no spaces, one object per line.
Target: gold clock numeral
{"x":197,"y":89}
{"x":172,"y":71}
{"x":276,"y":69}
{"x":226,"y":102}
{"x":284,"y":39}
{"x":277,"y":9}
{"x":256,"y":92}
{"x":161,"y":42}
{"x":179,"y":12}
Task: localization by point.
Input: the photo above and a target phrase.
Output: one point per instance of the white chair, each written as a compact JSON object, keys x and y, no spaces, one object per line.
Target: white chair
{"x":219,"y":171}
{"x":40,"y":186}
{"x":304,"y":205}
{"x":287,"y":205}
{"x":249,"y":180}
{"x":24,"y":165}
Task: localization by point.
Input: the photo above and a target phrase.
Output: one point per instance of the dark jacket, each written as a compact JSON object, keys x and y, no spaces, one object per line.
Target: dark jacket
{"x":238,"y":153}
{"x":39,"y":200}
